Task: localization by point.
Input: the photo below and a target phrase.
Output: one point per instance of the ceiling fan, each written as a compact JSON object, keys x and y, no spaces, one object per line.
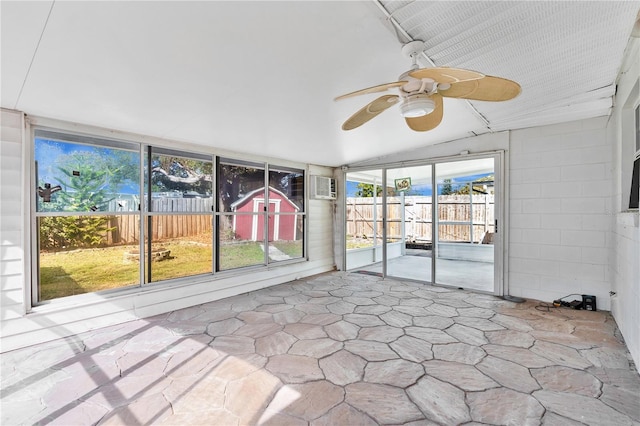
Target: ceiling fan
{"x":422,"y":89}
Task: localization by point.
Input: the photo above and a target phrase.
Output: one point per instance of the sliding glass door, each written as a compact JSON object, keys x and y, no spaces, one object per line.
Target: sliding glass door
{"x":465,"y":224}
{"x":439,"y":222}
{"x":409,"y":223}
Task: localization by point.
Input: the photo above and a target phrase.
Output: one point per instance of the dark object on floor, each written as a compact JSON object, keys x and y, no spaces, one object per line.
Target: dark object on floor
{"x":588,"y":302}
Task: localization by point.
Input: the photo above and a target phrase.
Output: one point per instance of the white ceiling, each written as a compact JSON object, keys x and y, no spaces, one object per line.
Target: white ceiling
{"x":260,"y":77}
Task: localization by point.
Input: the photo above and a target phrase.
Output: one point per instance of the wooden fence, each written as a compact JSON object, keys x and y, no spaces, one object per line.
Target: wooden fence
{"x":126,"y":227}
{"x":455,"y":217}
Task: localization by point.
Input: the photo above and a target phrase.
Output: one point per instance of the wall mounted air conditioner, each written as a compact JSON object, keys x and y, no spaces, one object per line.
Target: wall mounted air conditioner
{"x":323,"y":188}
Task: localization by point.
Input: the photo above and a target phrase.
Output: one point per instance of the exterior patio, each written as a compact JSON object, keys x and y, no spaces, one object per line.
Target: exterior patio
{"x":333,"y":349}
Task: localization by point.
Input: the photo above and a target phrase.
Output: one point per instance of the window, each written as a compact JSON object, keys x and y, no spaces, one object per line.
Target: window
{"x":112,"y":214}
{"x":260,"y":214}
{"x":179,"y":214}
{"x":86,"y":198}
{"x":635,"y":176}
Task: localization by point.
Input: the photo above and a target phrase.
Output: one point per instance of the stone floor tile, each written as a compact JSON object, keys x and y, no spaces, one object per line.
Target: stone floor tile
{"x":275,"y":308}
{"x":288,"y":317}
{"x":201,"y":417}
{"x":397,"y":319}
{"x":441,"y":310}
{"x":385,"y":404}
{"x":372,"y":309}
{"x":412,"y":349}
{"x":315,"y":348}
{"x":234,"y":345}
{"x":248,"y":396}
{"x":275,"y":418}
{"x":565,"y":379}
{"x":305,"y":331}
{"x":341,"y":307}
{"x":440,"y":401}
{"x":411,"y":310}
{"x":343,"y":368}
{"x":458,"y":352}
{"x":395,"y":372}
{"x":122,"y":392}
{"x":363,"y":320}
{"x":344,"y":414}
{"x":430,"y":335}
{"x":564,"y":339}
{"x":370,"y":350}
{"x":238,"y":366}
{"x":258,"y":330}
{"x":224,"y":327}
{"x":511,"y":338}
{"x":294,"y":368}
{"x":552,"y":419}
{"x":476,"y":312}
{"x":296,"y":299}
{"x":508,"y":374}
{"x":561,"y":355}
{"x":606,"y":357}
{"x":202,"y":392}
{"x":386,"y":300}
{"x":320,"y":319}
{"x":469,"y":335}
{"x":623,"y":400}
{"x":307,"y":401}
{"x":504,"y":407}
{"x":521,"y":356}
{"x":433,"y":321}
{"x":273,"y":356}
{"x":464,"y":376}
{"x":478,"y":323}
{"x":380,"y":333}
{"x":454,"y":302}
{"x":75,"y":413}
{"x":581,"y":408}
{"x":512,"y":323}
{"x":146,"y":410}
{"x":275,"y":344}
{"x":253,"y":317}
{"x":342,"y":331}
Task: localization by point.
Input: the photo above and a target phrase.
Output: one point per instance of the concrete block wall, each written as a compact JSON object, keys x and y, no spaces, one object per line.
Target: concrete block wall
{"x":560,"y":211}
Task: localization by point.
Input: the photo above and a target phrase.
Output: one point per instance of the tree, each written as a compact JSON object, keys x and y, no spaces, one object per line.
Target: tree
{"x":447,"y":188}
{"x":366,"y":190}
{"x":88,"y":182}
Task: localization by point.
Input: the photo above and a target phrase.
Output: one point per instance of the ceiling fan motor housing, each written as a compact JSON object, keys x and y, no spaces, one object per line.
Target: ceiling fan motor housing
{"x":417,"y":106}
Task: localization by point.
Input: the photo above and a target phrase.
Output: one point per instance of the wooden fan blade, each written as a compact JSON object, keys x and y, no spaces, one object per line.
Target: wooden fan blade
{"x":489,"y":88}
{"x":369,"y":111}
{"x":374,"y":89}
{"x":429,"y":121}
{"x":446,"y":74}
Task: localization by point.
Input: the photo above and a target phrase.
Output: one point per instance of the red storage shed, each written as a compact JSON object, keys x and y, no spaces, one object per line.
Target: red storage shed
{"x":250,"y":227}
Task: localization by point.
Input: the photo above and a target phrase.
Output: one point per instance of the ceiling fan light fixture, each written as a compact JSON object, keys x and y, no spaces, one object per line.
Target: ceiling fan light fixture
{"x":417,"y":106}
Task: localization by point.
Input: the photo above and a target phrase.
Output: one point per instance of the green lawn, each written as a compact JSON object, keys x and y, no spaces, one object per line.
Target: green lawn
{"x":66,"y":273}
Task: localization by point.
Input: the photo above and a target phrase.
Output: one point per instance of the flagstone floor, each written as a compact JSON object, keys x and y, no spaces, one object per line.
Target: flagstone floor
{"x":333,"y":349}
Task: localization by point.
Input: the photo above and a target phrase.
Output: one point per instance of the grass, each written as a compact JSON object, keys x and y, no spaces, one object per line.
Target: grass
{"x":66,"y":273}
{"x":292,"y":249}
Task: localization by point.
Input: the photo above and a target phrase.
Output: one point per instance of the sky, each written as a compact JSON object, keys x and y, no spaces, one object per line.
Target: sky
{"x":426,"y":190}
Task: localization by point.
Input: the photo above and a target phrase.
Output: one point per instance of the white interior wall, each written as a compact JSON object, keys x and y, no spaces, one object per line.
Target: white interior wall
{"x":85,"y":312}
{"x":625,"y":233}
{"x":560,"y":211}
{"x":11,"y":223}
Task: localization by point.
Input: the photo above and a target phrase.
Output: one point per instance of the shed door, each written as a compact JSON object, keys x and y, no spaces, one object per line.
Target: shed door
{"x":260,"y":221}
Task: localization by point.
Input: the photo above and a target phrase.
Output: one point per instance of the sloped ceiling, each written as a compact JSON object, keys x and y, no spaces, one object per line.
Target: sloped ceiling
{"x":260,"y":77}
